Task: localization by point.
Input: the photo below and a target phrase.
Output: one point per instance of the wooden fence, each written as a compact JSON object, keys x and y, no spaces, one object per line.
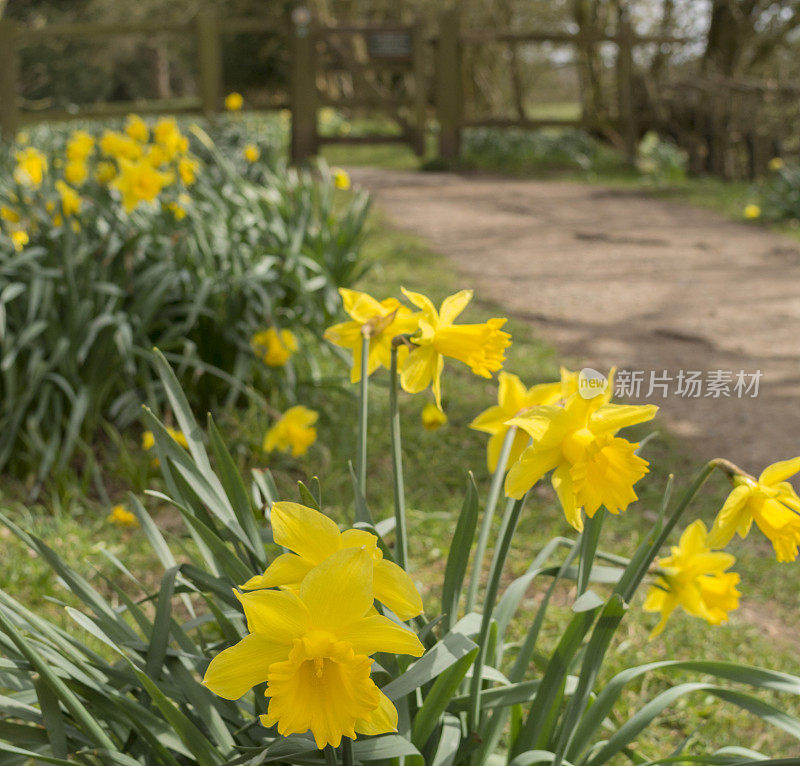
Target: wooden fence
{"x":430,"y":66}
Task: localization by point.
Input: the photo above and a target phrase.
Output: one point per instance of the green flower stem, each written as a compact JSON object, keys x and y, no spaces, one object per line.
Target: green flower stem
{"x":401,"y":545}
{"x":361,"y":460}
{"x":632,"y":577}
{"x":488,"y":516}
{"x":330,"y":756}
{"x":508,"y":526}
{"x":347,"y":752}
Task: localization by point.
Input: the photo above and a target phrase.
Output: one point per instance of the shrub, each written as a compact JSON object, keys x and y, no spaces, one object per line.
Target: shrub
{"x":127,"y":242}
{"x":780,"y":193}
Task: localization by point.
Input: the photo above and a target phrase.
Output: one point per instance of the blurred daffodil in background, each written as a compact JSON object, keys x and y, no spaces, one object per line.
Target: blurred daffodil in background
{"x":380,"y":321}
{"x":432,"y":417}
{"x":293,"y":431}
{"x":480,"y":346}
{"x":234,"y":102}
{"x":274,"y":347}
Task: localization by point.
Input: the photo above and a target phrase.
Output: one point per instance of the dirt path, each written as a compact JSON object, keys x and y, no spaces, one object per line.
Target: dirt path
{"x":613,"y":277}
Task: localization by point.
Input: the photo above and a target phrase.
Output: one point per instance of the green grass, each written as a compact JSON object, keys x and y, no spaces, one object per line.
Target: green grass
{"x":763,"y":632}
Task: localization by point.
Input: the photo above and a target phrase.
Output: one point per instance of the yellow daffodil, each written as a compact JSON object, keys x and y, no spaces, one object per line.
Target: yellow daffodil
{"x":274,"y":347}
{"x":432,"y":417}
{"x":22,"y":138}
{"x":313,"y":650}
{"x":512,"y":398}
{"x":31,"y":167}
{"x":234,"y":102}
{"x":771,"y":502}
{"x":776,"y":164}
{"x":169,"y":137}
{"x":293,"y":431}
{"x":121,"y":517}
{"x":9,"y":214}
{"x":139,"y":182}
{"x":179,"y":207}
{"x":76,"y":172}
{"x":341,"y":179}
{"x":120,"y":147}
{"x":591,"y":466}
{"x":251,"y":153}
{"x":380,"y":321}
{"x":136,"y":128}
{"x":694,"y":578}
{"x":79,"y":146}
{"x":752,"y":211}
{"x":105,"y":172}
{"x":479,"y":346}
{"x":149,"y":441}
{"x":187,"y":170}
{"x":19,"y":239}
{"x":313,"y":537}
{"x":70,"y":199}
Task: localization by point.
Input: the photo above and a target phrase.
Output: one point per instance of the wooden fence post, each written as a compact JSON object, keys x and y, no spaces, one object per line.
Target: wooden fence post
{"x":9,"y":115}
{"x":209,"y":50}
{"x":449,"y":86}
{"x":420,"y":88}
{"x":303,"y":89}
{"x":627,"y":117}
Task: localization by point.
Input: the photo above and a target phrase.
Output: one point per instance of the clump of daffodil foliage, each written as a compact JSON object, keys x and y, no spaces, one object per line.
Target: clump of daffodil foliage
{"x":280,"y":637}
{"x":113,"y":241}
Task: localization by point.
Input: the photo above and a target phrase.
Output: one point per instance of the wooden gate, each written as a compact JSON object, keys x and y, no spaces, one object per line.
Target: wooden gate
{"x":376,"y":68}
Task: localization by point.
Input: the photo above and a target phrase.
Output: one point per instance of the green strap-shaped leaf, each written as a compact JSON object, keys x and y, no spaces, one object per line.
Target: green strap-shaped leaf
{"x":644,"y":717}
{"x":731,"y":671}
{"x":435,"y":661}
{"x":438,"y":699}
{"x":458,"y":556}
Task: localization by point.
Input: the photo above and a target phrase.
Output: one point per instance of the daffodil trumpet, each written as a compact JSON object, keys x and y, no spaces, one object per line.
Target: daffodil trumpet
{"x":495,"y":489}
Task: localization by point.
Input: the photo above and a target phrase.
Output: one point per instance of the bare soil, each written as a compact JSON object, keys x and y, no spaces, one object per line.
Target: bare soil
{"x":618,"y":278}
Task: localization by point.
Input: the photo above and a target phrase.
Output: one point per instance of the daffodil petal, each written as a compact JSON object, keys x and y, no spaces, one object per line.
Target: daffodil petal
{"x":382,"y":720}
{"x":239,"y":668}
{"x":491,"y":420}
{"x":540,"y":421}
{"x":532,"y":465}
{"x":562,"y":484}
{"x":778,"y":472}
{"x":285,"y":570}
{"x":338,"y":592}
{"x":421,"y":302}
{"x":307,"y":532}
{"x":610,"y":418}
{"x":380,"y":634}
{"x":278,"y":615}
{"x":394,"y":588}
{"x":453,"y":305}
{"x":419,"y":369}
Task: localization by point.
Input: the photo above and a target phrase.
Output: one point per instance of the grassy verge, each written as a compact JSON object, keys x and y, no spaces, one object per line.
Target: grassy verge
{"x":762,"y":632}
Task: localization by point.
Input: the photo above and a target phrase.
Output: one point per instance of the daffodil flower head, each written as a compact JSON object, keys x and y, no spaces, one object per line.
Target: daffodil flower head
{"x":770,"y":501}
{"x":121,"y":517}
{"x":31,"y":167}
{"x":139,"y":182}
{"x":136,"y":128}
{"x":313,"y":649}
{"x":341,"y":178}
{"x":312,"y":538}
{"x":234,"y":102}
{"x":293,"y":432}
{"x":480,"y":346}
{"x":274,"y":347}
{"x":251,"y":153}
{"x":380,"y":321}
{"x":70,"y":199}
{"x":592,"y":467}
{"x":694,"y":578}
{"x":79,"y":146}
{"x":512,"y":399}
